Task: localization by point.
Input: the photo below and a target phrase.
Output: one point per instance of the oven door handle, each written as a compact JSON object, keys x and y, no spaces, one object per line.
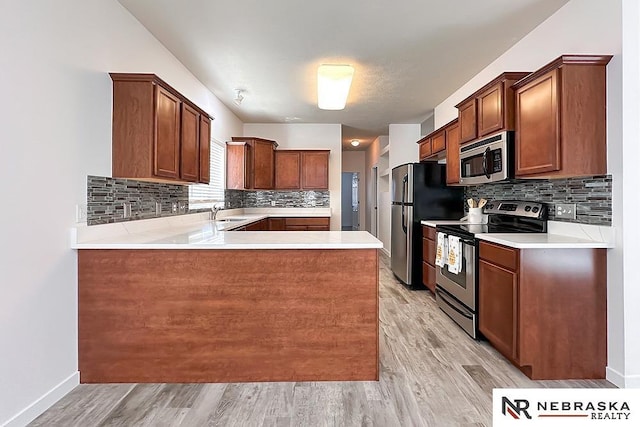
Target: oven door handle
{"x":485,"y":161}
{"x":443,"y":298}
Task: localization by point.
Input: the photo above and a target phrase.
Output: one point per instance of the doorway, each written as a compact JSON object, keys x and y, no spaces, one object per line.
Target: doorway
{"x":350,"y":201}
{"x":374,"y":201}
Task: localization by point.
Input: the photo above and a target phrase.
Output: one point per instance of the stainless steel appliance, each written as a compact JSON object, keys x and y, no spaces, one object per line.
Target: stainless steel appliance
{"x":418,"y":192}
{"x":457,"y":294}
{"x":487,"y":160}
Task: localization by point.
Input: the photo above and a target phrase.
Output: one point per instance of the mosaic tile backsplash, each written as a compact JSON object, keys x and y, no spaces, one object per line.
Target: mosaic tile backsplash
{"x":592,"y":195}
{"x":105,"y":198}
{"x":283,"y":199}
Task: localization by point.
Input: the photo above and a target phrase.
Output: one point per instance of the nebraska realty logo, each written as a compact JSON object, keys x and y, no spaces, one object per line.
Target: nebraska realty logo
{"x":566,"y":407}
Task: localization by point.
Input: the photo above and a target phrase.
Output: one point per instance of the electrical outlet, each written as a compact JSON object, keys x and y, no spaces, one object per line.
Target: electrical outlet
{"x":126,"y":210}
{"x":174,"y":207}
{"x":273,"y":203}
{"x":313,"y":203}
{"x":81,"y":213}
{"x":566,"y":210}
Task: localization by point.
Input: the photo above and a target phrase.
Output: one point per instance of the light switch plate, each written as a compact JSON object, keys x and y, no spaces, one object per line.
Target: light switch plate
{"x":566,"y":210}
{"x":81,"y":213}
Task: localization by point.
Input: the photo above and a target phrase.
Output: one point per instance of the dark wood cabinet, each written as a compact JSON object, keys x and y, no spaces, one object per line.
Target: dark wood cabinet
{"x":452,"y":135}
{"x":490,"y":109}
{"x":425,"y":148}
{"x":542,"y":307}
{"x":190,"y":144}
{"x":498,"y":299}
{"x":429,"y":258}
{"x":561,"y":119}
{"x":250,"y":163}
{"x":262,"y":225}
{"x":467,"y":120}
{"x":314,"y":169}
{"x":167,"y":134}
{"x":205,"y":149}
{"x":307,"y":224}
{"x":156,"y":131}
{"x":276,"y":224}
{"x":438,"y":142}
{"x":287,"y":170}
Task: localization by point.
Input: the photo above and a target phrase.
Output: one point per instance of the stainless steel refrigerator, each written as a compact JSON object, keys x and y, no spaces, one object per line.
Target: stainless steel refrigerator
{"x":418,"y":192}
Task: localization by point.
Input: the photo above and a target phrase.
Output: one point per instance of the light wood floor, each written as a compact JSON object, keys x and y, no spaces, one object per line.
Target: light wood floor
{"x":431,"y":374}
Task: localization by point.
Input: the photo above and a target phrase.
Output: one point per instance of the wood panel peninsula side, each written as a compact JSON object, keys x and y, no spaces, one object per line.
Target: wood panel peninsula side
{"x":228,"y":315}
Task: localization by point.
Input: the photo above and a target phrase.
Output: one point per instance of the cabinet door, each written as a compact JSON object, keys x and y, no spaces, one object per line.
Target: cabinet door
{"x":438,"y":142}
{"x":317,"y":228}
{"x":296,"y":228}
{"x":425,"y":149}
{"x":237,"y":166}
{"x":538,"y":125}
{"x":498,"y":307}
{"x":189,"y":144}
{"x":287,"y":170}
{"x":453,"y":154}
{"x":166,"y":135}
{"x":315,"y":170}
{"x":429,"y":276}
{"x":490,"y":110}
{"x":467,"y":121}
{"x":276,"y":224}
{"x":205,"y":147}
{"x":263,"y":165}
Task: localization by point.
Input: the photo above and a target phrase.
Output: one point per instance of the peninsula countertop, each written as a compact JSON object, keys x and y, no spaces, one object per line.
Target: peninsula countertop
{"x":198,"y":232}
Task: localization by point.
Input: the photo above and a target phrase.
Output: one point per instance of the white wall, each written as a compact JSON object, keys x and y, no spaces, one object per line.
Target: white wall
{"x":594,"y":27}
{"x":373,"y":158}
{"x":354,"y":161}
{"x":402,"y":144}
{"x":309,"y":136}
{"x":56,"y":127}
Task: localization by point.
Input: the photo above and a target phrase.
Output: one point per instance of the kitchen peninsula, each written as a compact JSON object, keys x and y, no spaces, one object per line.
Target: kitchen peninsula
{"x":183,"y":299}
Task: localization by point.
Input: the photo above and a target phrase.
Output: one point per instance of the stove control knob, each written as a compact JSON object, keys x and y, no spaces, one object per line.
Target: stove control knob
{"x":527,"y":208}
{"x":536,"y":209}
{"x":490,"y":206}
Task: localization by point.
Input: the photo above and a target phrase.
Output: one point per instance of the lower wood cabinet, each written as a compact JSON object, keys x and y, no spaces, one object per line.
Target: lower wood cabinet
{"x":545,"y":309}
{"x":290,"y":224}
{"x":429,"y":258}
{"x":262,"y":225}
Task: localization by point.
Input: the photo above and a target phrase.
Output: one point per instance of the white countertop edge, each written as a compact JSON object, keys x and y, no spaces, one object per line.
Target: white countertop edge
{"x":437,"y":222}
{"x":542,"y":241}
{"x":231,"y":246}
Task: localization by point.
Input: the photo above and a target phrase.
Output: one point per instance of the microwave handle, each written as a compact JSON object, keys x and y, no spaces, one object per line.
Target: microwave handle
{"x":485,"y":159}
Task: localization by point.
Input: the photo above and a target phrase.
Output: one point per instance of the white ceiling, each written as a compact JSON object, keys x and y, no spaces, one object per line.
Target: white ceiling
{"x":409,"y":55}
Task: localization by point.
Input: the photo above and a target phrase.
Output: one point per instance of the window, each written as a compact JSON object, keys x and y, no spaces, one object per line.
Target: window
{"x":203,"y":195}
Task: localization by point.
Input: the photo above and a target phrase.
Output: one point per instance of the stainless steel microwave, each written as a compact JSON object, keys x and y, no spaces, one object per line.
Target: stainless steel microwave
{"x":487,"y":160}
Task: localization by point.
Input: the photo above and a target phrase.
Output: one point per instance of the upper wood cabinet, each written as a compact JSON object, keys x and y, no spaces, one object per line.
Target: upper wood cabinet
{"x":287,"y":170}
{"x":452,"y":136}
{"x":250,"y":163}
{"x":561,"y":119}
{"x":490,"y":109}
{"x":205,"y":149}
{"x":156,"y":131}
{"x":314,"y":169}
{"x":433,"y":146}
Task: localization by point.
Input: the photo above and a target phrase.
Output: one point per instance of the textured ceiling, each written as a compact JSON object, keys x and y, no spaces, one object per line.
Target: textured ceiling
{"x":409,"y":55}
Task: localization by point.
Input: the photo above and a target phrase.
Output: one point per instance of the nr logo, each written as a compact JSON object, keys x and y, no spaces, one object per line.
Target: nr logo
{"x":516,"y":409}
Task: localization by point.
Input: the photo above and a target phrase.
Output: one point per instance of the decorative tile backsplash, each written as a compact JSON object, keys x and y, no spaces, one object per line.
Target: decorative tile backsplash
{"x":592,"y":195}
{"x":283,"y":199}
{"x":106,"y":196}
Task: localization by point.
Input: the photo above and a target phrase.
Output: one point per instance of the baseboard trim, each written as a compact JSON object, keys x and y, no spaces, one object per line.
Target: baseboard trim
{"x":47,"y":400}
{"x":615,"y":377}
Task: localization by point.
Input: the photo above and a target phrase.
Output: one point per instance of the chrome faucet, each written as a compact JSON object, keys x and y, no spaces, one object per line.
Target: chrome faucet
{"x":214,"y":212}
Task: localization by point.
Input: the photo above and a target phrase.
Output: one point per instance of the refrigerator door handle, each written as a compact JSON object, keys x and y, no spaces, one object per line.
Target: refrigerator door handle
{"x":405,"y":179}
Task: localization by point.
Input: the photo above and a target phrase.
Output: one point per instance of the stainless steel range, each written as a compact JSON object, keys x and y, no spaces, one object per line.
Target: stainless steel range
{"x":457,"y":294}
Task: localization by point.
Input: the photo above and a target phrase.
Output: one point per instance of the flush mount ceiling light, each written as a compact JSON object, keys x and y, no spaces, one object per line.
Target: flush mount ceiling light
{"x":238,"y":99}
{"x":334,"y":82}
{"x":355,"y":142}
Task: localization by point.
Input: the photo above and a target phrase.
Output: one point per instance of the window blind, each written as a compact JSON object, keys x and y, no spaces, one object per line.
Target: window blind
{"x":203,"y":195}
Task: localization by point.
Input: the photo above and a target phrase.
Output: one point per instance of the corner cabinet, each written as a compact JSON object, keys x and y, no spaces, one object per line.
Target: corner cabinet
{"x":158,"y":134}
{"x":490,"y":109}
{"x":561,"y":119}
{"x":545,"y":309}
{"x":250,"y":163}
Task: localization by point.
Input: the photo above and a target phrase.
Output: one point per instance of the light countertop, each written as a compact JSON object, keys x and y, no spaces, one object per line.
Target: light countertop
{"x":560,"y":235}
{"x":197,"y":232}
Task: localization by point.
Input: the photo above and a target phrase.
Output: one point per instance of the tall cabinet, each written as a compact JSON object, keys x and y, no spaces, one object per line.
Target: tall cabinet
{"x":158,"y":134}
{"x":250,"y":163}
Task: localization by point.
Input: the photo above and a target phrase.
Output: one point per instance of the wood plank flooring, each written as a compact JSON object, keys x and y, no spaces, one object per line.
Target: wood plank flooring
{"x":431,"y":374}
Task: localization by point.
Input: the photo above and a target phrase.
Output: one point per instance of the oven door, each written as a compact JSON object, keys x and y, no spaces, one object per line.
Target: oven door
{"x":462,"y":285}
